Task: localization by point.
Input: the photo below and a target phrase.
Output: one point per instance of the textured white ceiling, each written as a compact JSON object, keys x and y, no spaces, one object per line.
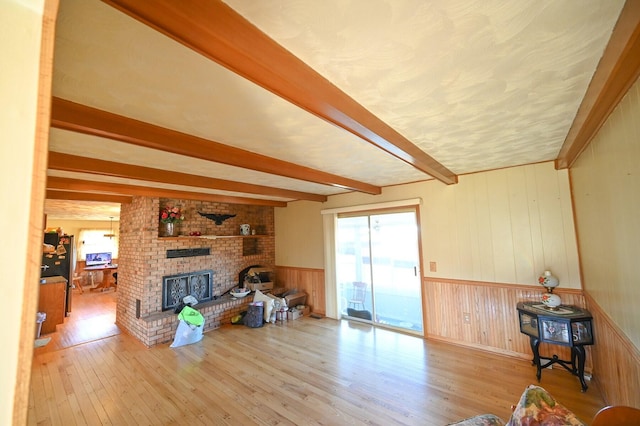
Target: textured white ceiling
{"x":478,"y":85}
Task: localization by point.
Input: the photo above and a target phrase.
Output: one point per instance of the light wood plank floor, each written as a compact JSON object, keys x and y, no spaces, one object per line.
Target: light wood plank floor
{"x":93,"y":317}
{"x":301,"y":372}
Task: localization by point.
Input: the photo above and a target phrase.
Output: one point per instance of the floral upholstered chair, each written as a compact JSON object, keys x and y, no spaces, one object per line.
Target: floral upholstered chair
{"x":536,"y":408}
{"x":480,"y":420}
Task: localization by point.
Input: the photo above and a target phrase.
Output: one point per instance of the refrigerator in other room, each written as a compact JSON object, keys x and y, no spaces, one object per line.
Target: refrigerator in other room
{"x":60,"y":262}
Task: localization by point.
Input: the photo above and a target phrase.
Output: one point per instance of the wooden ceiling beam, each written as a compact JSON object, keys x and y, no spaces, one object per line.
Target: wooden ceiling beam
{"x":75,"y":117}
{"x":53,"y":194}
{"x":79,"y":185}
{"x":75,"y":163}
{"x":618,"y":70}
{"x":219,"y":33}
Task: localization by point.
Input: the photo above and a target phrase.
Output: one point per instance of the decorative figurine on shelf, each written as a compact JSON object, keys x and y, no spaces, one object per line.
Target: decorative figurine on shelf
{"x":217,"y":218}
{"x":548,"y":281}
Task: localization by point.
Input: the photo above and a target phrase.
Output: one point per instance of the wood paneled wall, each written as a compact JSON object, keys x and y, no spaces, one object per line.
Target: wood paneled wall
{"x":605,"y":182}
{"x":616,"y":360}
{"x":306,"y":279}
{"x":502,"y":226}
{"x":494,"y":319}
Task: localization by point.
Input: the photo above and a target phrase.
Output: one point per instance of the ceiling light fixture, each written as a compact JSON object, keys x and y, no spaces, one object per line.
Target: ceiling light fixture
{"x":110,"y":234}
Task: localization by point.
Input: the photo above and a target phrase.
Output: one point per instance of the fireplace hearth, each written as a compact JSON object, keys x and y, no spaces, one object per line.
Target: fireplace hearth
{"x":198,"y":284}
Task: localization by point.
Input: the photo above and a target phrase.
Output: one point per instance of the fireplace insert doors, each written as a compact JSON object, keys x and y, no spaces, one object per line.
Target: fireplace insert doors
{"x":197,"y":284}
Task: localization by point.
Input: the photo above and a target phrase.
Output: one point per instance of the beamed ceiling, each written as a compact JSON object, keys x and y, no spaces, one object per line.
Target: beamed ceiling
{"x":267,"y":102}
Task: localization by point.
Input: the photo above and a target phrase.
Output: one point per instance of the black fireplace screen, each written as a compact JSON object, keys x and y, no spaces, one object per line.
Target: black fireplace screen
{"x":175,"y":287}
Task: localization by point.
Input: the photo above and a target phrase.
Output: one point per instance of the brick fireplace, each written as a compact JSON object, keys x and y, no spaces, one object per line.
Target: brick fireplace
{"x":145,"y":259}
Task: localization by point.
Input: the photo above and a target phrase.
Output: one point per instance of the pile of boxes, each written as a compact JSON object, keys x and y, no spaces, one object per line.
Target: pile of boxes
{"x":259,"y":279}
{"x":295,"y":307}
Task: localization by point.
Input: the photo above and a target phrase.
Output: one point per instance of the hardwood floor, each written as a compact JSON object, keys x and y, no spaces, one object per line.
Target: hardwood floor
{"x":306,"y":371}
{"x":93,"y":317}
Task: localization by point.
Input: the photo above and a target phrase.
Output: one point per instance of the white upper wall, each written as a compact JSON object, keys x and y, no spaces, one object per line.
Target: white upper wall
{"x":504,"y":226}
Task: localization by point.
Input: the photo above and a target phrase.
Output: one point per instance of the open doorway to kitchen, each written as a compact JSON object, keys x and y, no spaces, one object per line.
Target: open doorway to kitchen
{"x":378,"y":268}
{"x":93,"y":318}
{"x":91,"y":300}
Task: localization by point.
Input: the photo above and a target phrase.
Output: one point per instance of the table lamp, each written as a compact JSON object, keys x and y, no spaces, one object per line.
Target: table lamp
{"x":548,"y":281}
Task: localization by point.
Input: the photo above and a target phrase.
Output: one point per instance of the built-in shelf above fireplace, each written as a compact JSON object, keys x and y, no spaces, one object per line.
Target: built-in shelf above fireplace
{"x":252,"y":245}
{"x":213,"y":237}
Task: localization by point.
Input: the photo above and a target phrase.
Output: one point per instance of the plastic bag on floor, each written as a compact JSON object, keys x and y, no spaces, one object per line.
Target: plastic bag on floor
{"x":189,"y":328}
{"x":191,"y":316}
{"x":40,"y":318}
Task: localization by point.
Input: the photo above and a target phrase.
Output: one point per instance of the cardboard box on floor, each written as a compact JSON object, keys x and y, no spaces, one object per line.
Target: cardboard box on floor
{"x":292,"y":297}
{"x":296,"y":299}
{"x":296,"y":313}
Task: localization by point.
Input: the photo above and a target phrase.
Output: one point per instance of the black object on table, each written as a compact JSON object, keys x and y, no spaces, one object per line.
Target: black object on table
{"x":566,"y":325}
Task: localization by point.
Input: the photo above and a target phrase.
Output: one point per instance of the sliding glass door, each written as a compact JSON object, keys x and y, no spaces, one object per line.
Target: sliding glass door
{"x":377,"y":266}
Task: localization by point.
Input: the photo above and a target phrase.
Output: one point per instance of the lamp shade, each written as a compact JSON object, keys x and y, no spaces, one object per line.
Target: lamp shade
{"x":548,"y":281}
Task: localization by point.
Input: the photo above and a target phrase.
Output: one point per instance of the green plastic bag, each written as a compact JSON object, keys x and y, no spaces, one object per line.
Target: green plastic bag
{"x":191,"y":316}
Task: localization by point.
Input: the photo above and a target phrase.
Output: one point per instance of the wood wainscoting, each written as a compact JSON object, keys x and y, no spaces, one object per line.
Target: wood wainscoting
{"x":616,"y":360}
{"x":309,"y":280}
{"x":493,"y":319}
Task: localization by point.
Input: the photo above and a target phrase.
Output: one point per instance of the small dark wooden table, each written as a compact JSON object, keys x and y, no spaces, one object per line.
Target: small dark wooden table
{"x":567,"y":326}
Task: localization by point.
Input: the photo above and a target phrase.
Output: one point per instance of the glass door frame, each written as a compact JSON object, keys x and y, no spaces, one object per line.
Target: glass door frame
{"x":343,"y":305}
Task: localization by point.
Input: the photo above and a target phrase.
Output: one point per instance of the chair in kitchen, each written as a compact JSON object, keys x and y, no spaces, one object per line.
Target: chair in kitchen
{"x":358,"y":294}
{"x":77,"y":283}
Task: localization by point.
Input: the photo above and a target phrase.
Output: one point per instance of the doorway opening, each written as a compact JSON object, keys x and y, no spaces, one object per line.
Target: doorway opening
{"x":91,"y":295}
{"x":93,"y":318}
{"x":378,"y":269}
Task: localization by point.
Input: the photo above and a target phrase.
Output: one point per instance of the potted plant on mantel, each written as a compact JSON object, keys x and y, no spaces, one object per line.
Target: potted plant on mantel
{"x":169,"y":217}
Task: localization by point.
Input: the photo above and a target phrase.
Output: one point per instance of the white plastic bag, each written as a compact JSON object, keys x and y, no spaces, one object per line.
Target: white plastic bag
{"x":190,"y":300}
{"x":187,"y":334}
